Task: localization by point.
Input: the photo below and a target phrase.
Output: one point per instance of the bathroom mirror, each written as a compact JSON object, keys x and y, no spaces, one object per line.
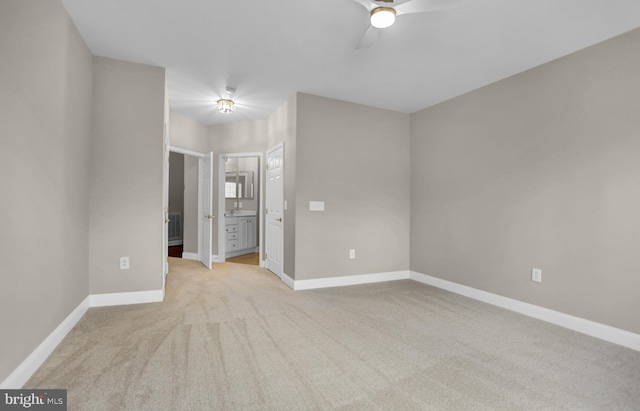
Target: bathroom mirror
{"x":239,"y":184}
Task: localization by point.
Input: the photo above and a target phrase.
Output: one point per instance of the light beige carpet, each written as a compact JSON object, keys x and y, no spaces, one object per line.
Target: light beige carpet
{"x":236,"y":337}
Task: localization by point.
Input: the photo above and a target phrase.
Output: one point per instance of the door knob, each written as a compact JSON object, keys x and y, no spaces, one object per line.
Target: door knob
{"x":209,"y":216}
{"x":279,"y":219}
{"x":166,"y":220}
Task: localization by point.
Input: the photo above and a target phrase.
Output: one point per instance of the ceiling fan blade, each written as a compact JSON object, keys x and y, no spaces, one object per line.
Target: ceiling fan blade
{"x":366,"y":4}
{"x":368,"y":39}
{"x":423,"y":6}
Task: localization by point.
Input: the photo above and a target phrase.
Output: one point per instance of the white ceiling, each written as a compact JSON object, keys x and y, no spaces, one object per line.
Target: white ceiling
{"x":269,"y":50}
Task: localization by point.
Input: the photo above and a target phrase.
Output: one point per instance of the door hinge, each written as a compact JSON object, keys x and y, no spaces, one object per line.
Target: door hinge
{"x":266,"y":211}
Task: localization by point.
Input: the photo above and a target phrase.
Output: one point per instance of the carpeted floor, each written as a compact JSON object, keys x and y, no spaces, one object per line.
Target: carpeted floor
{"x":236,"y":337}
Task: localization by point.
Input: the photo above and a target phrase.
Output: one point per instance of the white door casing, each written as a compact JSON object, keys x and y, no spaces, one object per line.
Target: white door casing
{"x":165,"y":206}
{"x":205,"y":208}
{"x":222,"y":239}
{"x":274,"y":213}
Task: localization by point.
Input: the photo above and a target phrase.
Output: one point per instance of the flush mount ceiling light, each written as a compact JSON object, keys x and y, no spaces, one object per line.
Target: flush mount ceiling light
{"x":382,"y":17}
{"x":225,"y":105}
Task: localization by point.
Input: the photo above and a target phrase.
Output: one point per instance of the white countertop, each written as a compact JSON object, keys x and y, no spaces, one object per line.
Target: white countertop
{"x":241,"y":213}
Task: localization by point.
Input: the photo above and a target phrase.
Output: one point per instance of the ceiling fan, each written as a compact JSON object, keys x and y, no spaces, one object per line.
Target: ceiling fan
{"x":383,"y":14}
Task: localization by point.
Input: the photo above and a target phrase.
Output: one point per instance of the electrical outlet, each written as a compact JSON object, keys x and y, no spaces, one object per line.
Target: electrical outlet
{"x":536,"y":275}
{"x":352,"y":254}
{"x":124,"y":263}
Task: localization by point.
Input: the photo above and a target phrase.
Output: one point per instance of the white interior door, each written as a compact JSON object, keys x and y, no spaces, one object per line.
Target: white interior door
{"x":205,"y":208}
{"x":274,"y":241}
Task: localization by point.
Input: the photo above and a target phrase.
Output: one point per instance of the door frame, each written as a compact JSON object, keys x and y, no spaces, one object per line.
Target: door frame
{"x":222,"y":239}
{"x":174,"y":149}
{"x":165,"y":205}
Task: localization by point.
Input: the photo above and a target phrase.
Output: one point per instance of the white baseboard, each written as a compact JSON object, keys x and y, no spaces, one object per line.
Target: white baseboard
{"x":215,"y":259}
{"x":25,"y":370}
{"x":288,"y":281}
{"x":136,"y":297}
{"x":349,"y":280}
{"x":604,"y":332}
{"x":594,"y":329}
{"x":190,"y":256}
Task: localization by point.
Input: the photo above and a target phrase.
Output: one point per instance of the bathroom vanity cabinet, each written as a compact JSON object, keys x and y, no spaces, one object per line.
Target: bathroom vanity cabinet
{"x":241,"y":235}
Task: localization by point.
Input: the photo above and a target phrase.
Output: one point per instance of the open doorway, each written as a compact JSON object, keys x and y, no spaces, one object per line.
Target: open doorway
{"x":190,"y":205}
{"x":240,"y":194}
{"x":177,"y":215}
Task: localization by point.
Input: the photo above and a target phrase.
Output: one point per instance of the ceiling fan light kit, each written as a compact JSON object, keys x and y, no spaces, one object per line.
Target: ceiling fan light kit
{"x":382,"y":17}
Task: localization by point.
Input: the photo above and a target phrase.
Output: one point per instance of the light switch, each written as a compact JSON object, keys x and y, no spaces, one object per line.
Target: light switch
{"x":316,"y":205}
{"x":536,"y":275}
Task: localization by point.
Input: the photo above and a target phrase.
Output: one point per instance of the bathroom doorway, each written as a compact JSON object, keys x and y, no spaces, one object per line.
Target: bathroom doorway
{"x":240,"y":194}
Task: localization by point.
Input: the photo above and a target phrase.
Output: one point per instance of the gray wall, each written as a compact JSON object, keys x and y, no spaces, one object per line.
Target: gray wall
{"x":126,"y":176}
{"x":45,"y":103}
{"x":356,"y":159}
{"x":187,"y":133}
{"x":538,"y":170}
